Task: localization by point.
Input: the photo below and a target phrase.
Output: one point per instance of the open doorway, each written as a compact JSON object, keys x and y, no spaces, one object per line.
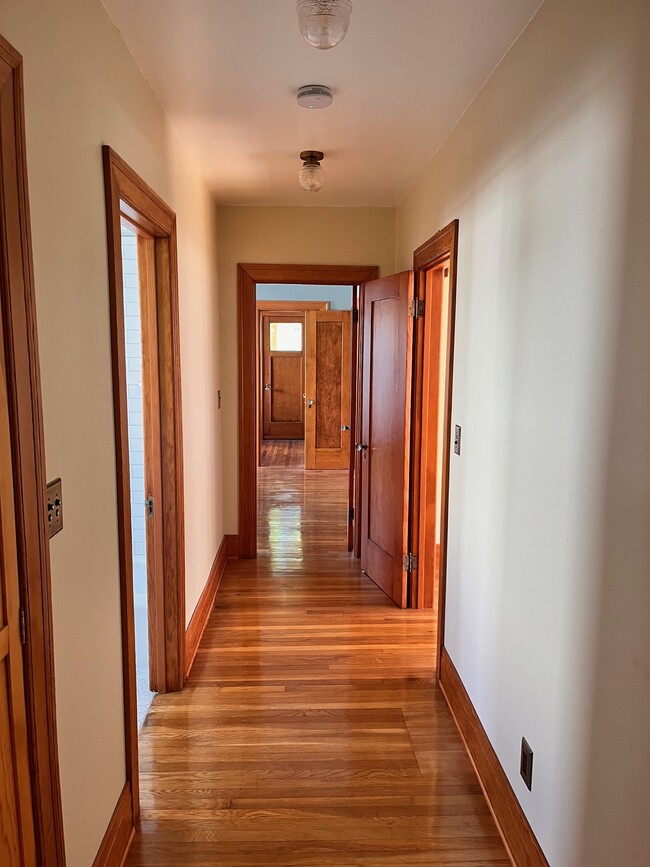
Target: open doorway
{"x":342,"y":331}
{"x":303,"y":383}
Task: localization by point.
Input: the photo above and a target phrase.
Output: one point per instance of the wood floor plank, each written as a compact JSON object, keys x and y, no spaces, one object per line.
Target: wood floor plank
{"x":311,"y":731}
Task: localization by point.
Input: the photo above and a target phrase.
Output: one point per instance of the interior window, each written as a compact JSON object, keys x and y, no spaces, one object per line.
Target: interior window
{"x":286,"y":336}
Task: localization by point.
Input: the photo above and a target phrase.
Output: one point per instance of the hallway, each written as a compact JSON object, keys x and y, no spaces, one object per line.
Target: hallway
{"x":310,"y":731}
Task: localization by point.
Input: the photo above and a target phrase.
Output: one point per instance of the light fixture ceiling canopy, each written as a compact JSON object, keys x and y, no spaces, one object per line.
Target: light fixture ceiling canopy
{"x":324,"y":23}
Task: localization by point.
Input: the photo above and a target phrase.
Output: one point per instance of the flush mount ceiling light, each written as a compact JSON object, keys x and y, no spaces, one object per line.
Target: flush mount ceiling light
{"x":310,"y":173}
{"x":315,"y":96}
{"x":324,"y":23}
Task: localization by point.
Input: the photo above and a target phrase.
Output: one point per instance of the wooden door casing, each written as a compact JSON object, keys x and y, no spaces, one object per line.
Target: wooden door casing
{"x":385,"y":432}
{"x":17,"y":836}
{"x":328,"y":385}
{"x":283,"y":409}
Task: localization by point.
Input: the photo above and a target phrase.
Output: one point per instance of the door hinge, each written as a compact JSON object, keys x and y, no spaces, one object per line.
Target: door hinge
{"x":23,"y":626}
{"x":416,"y":308}
{"x":149,"y":506}
{"x":410,"y":562}
{"x":350,"y":514}
{"x":355,"y":317}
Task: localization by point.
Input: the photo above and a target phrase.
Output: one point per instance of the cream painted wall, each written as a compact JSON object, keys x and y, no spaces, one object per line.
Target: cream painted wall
{"x":548,"y":600}
{"x":288,"y":236}
{"x":83,"y":89}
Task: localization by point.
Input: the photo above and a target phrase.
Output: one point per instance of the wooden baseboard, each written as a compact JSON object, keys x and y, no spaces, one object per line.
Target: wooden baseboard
{"x":119,"y":834}
{"x":232,"y":546}
{"x":518,"y":837}
{"x":199,"y":621}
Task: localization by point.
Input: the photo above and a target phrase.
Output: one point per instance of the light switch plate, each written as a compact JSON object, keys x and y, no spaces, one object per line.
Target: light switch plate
{"x":54,"y":507}
{"x":457,"y":439}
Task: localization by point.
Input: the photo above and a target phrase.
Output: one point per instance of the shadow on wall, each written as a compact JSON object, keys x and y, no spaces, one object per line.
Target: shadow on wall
{"x":618,"y":770}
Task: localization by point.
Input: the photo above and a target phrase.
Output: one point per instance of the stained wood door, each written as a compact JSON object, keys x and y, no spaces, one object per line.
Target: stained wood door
{"x":385,"y":431}
{"x":17,"y":841}
{"x":283,"y":363}
{"x":328,"y":382}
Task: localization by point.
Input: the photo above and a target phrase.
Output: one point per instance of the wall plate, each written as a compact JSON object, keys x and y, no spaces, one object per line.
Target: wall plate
{"x":54,"y":507}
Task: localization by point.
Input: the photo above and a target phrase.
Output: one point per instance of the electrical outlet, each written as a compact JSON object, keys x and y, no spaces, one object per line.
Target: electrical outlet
{"x":526,"y":763}
{"x":457,"y":439}
{"x":54,"y":507}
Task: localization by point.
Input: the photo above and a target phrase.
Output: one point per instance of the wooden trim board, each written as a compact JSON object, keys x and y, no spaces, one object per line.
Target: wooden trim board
{"x":441,"y":247}
{"x":232,"y":546}
{"x":127,"y":195}
{"x":119,"y":834}
{"x":518,"y":836}
{"x":17,"y":297}
{"x":199,"y":620}
{"x":248,"y":276}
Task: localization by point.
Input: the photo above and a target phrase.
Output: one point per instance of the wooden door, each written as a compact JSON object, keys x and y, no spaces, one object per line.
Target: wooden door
{"x":385,"y":432}
{"x":283,"y":377}
{"x":17,"y":841}
{"x":328,"y":382}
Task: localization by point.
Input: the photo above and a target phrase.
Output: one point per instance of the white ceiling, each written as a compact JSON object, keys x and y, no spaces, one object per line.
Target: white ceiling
{"x":226,"y":72}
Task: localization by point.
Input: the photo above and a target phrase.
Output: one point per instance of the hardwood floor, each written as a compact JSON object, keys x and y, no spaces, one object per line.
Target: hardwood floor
{"x":310,"y":732}
{"x":282,"y":453}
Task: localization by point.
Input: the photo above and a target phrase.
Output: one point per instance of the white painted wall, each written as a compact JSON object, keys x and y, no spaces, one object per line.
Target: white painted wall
{"x":339,"y":297}
{"x":548,"y":600}
{"x":83,"y":89}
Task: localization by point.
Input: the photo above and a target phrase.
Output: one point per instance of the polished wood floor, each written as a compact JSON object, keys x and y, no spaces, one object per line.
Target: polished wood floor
{"x":282,"y":453}
{"x":310,"y":732}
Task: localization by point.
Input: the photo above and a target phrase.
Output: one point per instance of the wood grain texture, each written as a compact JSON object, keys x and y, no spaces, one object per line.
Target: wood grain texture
{"x":128,"y":196}
{"x":517,"y":834}
{"x":26,"y":417}
{"x":118,"y":836}
{"x":327,"y":384}
{"x":248,"y":275}
{"x":424,"y":586}
{"x":204,"y":606}
{"x":17,"y":836}
{"x":283,"y":453}
{"x":385,"y":432}
{"x":311,"y":730}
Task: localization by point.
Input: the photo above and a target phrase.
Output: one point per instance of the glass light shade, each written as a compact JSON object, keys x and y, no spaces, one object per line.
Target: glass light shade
{"x":311,"y":177}
{"x":324,"y":23}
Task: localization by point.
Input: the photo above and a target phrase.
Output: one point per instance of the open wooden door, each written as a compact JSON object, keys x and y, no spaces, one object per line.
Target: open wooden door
{"x":17,"y":840}
{"x":385,"y":432}
{"x":283,"y":410}
{"x":327,"y":390}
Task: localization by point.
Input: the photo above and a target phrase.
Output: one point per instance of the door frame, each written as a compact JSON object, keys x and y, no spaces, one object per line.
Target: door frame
{"x":128,"y":196}
{"x":248,"y":276}
{"x":279,"y":307}
{"x":265,"y":319}
{"x":17,"y":296}
{"x":442,"y":246}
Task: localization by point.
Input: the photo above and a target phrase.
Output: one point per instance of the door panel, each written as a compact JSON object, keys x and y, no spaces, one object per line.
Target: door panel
{"x":17,"y":842}
{"x":385,"y":432}
{"x":327,"y":443}
{"x":283,"y":410}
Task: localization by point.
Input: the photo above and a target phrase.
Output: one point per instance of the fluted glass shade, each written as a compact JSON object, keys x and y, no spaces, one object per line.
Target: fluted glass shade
{"x":324,"y":23}
{"x":311,"y":177}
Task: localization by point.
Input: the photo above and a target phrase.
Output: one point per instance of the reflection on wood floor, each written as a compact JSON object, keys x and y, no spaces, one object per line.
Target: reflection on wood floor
{"x":282,"y":453}
{"x":310,"y":731}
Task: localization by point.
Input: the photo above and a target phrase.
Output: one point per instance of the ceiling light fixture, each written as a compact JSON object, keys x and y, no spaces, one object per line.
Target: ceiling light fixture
{"x":324,"y":23}
{"x":310,"y":173}
{"x":315,"y":96}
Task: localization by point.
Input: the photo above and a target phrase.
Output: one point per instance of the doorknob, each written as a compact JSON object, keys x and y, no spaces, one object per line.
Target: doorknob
{"x":310,"y":403}
{"x":361,"y":447}
{"x":345,"y":427}
{"x":267,"y":387}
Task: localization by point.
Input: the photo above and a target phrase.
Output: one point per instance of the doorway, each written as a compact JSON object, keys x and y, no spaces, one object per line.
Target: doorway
{"x":141,"y":232}
{"x":251,"y":436}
